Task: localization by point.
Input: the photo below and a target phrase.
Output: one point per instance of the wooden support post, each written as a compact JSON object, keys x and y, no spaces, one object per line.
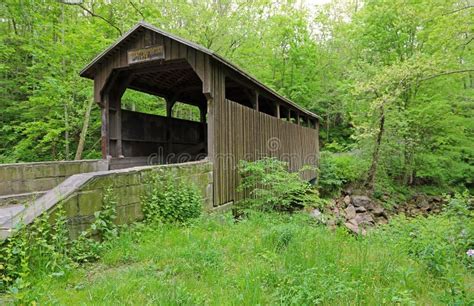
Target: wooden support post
{"x":210,"y":129}
{"x":278,"y":110}
{"x":118,"y":126}
{"x":255,"y":102}
{"x":298,"y":118}
{"x":104,"y":109}
{"x":168,"y":149}
{"x":289,"y":115}
{"x":169,"y":107}
{"x":202,"y":113}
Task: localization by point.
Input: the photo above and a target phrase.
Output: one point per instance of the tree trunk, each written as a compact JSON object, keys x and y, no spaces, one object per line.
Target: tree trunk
{"x":370,"y":183}
{"x":85,"y":127}
{"x":66,"y":131}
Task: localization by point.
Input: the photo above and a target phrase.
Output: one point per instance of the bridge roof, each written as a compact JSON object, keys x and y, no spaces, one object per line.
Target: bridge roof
{"x":90,"y":70}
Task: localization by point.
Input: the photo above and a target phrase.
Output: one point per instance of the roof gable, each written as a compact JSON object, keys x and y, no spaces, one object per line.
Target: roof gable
{"x":89,"y":71}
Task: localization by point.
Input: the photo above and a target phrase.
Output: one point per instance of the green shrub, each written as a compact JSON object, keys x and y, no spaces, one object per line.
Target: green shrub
{"x":272,"y":187}
{"x":337,"y":170}
{"x":171,"y":201}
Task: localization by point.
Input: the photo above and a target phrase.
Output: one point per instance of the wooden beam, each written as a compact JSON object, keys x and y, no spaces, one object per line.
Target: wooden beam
{"x":159,"y":66}
{"x":169,"y":107}
{"x":255,"y":102}
{"x":169,"y":114}
{"x":277,"y":110}
{"x":117,"y":91}
{"x":104,"y":133}
{"x":202,"y":112}
{"x":178,"y":92}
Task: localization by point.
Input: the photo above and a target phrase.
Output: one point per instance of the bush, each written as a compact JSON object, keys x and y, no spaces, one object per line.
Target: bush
{"x":337,"y":170}
{"x":271,"y":186}
{"x":171,"y":201}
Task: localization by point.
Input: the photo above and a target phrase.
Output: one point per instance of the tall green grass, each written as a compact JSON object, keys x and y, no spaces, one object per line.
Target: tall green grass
{"x":265,"y":259}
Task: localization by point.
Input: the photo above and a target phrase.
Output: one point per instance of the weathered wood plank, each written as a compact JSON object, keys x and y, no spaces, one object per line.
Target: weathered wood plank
{"x":244,"y":133}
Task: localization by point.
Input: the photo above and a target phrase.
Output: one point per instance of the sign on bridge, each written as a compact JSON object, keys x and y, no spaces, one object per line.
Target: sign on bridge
{"x":146,"y":54}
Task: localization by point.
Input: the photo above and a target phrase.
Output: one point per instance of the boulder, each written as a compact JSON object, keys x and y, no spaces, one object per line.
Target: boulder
{"x":331,"y":224}
{"x":379,"y":212}
{"x":350,"y":212}
{"x":355,"y":229}
{"x":316,"y":214}
{"x":353,"y":221}
{"x":361,"y":201}
{"x":347,"y":200}
{"x":360,"y":209}
{"x":422,"y":203}
{"x":364,"y":219}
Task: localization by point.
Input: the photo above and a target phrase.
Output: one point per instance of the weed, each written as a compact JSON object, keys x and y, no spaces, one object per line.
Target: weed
{"x":171,"y":201}
{"x":271,"y":186}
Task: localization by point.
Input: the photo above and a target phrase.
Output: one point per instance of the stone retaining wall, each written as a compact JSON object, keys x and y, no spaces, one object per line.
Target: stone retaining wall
{"x":41,"y":176}
{"x":129,"y":185}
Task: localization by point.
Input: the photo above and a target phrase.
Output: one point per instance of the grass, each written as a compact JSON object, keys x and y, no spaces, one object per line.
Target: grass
{"x":266,"y":259}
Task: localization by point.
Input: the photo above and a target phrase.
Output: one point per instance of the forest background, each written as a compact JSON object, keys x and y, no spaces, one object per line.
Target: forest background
{"x":392,"y":80}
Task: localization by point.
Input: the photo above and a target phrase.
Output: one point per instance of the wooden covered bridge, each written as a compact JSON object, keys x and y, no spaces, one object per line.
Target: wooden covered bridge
{"x":240,"y":118}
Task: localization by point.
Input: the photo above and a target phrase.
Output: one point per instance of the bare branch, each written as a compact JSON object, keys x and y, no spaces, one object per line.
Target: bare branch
{"x":136,"y":9}
{"x":100,"y":17}
{"x":446,"y":73}
{"x":458,"y":10}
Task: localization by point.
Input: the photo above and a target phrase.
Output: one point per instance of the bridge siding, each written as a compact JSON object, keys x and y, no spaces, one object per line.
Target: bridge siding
{"x":244,"y":133}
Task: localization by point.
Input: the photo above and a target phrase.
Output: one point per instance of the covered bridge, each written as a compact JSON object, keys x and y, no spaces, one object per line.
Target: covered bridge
{"x":240,"y":118}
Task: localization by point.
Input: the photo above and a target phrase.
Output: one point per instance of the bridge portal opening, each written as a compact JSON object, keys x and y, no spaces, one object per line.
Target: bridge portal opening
{"x":156,"y":114}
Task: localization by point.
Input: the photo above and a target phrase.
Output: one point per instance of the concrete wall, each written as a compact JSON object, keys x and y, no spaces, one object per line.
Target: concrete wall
{"x":30,"y":177}
{"x":130,"y":185}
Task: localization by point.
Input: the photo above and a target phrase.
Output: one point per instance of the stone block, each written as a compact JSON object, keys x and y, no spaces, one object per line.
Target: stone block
{"x":44,"y":170}
{"x":129,"y":213}
{"x":85,"y":221}
{"x":6,"y":188}
{"x":75,"y":229}
{"x":89,"y":166}
{"x":126,"y":179}
{"x":209,"y":191}
{"x":89,"y":202}
{"x":61,"y":169}
{"x":18,"y":187}
{"x":127,"y":195}
{"x":41,"y":184}
{"x":27,"y":172}
{"x":10,"y":173}
{"x":71,"y":168}
{"x":71,"y":206}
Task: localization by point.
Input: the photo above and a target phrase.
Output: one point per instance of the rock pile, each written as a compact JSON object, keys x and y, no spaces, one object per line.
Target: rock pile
{"x":421,"y":204}
{"x":356,"y":213}
{"x":359,"y":212}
